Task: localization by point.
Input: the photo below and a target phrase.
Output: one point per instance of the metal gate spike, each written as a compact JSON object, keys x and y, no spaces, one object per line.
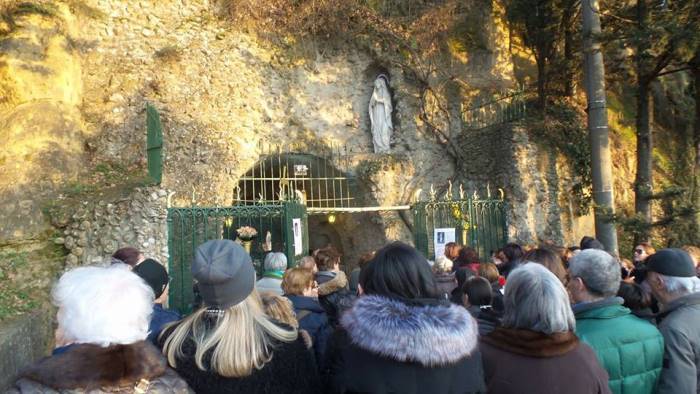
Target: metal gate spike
{"x":416,"y":195}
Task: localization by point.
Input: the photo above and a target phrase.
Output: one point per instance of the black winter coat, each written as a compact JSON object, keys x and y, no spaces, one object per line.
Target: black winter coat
{"x":386,"y":346}
{"x":487,"y":318}
{"x":334,"y":295}
{"x":497,"y":302}
{"x":291,"y":370}
{"x":313,"y":319}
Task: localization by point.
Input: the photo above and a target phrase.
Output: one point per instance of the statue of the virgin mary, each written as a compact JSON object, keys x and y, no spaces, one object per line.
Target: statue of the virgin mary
{"x":380,"y":115}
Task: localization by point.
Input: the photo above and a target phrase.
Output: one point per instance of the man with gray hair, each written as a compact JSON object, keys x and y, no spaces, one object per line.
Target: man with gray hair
{"x":629,"y":348}
{"x":275,"y":264}
{"x":671,"y":277}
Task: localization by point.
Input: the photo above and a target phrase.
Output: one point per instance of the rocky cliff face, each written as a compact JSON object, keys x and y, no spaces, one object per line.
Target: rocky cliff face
{"x":76,"y":84}
{"x":40,"y":124}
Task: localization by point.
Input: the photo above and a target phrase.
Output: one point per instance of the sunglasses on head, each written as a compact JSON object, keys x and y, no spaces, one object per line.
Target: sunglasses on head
{"x":639,"y":251}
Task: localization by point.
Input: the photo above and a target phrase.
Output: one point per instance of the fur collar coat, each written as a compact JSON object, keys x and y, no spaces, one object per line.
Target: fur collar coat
{"x":138,"y":367}
{"x":387,"y":345}
{"x":334,"y":295}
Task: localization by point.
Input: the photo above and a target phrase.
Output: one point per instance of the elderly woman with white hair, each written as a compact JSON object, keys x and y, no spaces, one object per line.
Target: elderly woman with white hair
{"x":275,"y":264}
{"x":103,"y":318}
{"x":445,"y":280}
{"x":535,"y":350}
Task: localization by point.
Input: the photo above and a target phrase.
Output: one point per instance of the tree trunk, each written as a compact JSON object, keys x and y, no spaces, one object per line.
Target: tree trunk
{"x":601,"y":163}
{"x":643,"y":183}
{"x":541,"y":82}
{"x":695,"y":195}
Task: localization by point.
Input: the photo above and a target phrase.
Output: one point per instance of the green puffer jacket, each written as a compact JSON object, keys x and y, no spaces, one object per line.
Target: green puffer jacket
{"x":629,"y":348}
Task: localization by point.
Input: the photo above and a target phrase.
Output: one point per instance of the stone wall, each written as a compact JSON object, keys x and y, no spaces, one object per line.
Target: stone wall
{"x":99,"y":228}
{"x":23,"y":341}
{"x":536,"y":181}
{"x":222,"y":94}
{"x":40,"y":90}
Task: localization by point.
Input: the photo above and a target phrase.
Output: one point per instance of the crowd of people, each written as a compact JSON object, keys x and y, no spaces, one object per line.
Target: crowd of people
{"x":531,"y":320}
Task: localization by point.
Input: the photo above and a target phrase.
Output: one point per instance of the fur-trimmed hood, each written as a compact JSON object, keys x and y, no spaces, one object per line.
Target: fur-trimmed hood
{"x":431,"y":335}
{"x":87,"y":366}
{"x":339,"y":282}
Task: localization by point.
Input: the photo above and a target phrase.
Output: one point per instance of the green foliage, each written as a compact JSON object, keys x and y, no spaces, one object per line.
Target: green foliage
{"x":657,"y":35}
{"x":543,"y":24}
{"x":562,"y":127}
{"x":26,"y":272}
{"x":538,"y":22}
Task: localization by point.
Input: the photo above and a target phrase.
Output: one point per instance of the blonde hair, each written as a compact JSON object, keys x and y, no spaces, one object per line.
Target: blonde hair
{"x":279,"y":308}
{"x":296,"y":280}
{"x":240,"y":338}
{"x":489,"y":271}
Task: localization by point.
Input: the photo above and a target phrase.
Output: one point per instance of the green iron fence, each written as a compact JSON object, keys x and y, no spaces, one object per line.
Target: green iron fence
{"x":190,"y":227}
{"x":154,"y":144}
{"x":502,"y":108}
{"x":479,"y":223}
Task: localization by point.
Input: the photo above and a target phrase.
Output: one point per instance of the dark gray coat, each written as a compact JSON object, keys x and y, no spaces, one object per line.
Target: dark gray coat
{"x":679,"y":323}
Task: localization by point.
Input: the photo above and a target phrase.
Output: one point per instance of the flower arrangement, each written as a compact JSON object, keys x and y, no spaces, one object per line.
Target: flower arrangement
{"x":246,"y":233}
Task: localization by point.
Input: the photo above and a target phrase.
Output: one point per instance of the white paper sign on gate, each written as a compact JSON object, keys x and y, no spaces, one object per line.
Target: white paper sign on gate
{"x":298,"y":242}
{"x":442,"y":236}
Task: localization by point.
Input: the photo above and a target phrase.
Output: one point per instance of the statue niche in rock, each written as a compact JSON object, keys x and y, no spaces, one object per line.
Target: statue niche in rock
{"x":380,"y":109}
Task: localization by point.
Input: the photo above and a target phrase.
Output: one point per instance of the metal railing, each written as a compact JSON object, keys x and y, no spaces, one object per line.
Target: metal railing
{"x":478,"y":222}
{"x":190,"y":227}
{"x":503,"y":108}
{"x":283,"y":175}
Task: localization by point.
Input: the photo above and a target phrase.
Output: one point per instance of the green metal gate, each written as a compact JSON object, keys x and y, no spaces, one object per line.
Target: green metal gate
{"x":190,"y":227}
{"x":479,"y":223}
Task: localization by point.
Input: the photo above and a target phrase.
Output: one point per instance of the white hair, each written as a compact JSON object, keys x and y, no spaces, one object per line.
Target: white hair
{"x":442,"y":265}
{"x":103,"y":305}
{"x":536,"y":300}
{"x":599,"y":271}
{"x":681,"y":285}
{"x":275,"y":262}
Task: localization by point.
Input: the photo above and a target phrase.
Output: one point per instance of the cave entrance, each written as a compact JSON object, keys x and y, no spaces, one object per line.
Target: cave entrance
{"x":334,"y":200}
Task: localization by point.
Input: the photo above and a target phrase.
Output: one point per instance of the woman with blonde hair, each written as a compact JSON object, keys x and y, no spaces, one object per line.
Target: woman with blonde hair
{"x":230,"y":344}
{"x":282,"y":310}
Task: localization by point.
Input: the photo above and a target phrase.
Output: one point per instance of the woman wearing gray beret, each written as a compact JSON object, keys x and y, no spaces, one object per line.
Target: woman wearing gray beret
{"x":230,"y":345}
